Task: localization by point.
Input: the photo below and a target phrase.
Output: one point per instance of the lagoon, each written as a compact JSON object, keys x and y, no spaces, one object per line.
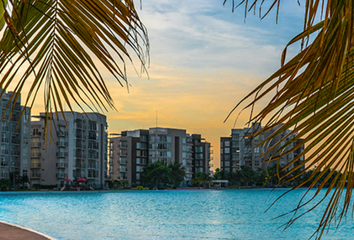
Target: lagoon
{"x":177,"y":214}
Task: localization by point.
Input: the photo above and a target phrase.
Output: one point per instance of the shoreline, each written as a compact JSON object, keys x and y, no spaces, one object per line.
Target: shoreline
{"x":49,"y":192}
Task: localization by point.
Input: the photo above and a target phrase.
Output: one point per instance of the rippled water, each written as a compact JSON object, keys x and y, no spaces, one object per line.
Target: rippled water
{"x":187,"y":214}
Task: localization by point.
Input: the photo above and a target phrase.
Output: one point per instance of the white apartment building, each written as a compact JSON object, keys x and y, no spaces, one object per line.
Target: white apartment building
{"x":15,"y":138}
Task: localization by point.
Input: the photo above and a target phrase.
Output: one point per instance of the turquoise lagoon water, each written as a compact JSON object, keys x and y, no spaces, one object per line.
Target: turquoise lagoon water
{"x":180,"y":214}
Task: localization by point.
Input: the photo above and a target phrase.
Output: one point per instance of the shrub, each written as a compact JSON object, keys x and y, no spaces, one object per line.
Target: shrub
{"x":161,"y":188}
{"x":139,"y":188}
{"x":168,"y":188}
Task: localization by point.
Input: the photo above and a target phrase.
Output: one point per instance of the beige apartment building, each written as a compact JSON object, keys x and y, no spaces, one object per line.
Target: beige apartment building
{"x":75,"y":149}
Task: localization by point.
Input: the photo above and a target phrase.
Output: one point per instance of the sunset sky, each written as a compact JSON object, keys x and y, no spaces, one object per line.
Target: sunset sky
{"x":203,"y":60}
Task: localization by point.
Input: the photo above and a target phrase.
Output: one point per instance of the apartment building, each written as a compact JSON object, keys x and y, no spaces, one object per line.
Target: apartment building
{"x":238,"y":150}
{"x":15,"y":138}
{"x":133,"y":150}
{"x":74,"y":148}
{"x":128,"y":155}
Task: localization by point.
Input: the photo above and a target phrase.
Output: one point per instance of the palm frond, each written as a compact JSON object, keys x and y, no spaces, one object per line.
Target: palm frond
{"x":314,"y":94}
{"x":55,"y":44}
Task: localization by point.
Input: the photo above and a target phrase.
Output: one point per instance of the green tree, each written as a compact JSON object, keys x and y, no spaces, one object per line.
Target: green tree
{"x":5,"y":184}
{"x":23,"y":180}
{"x":156,"y":174}
{"x":117,"y":184}
{"x":177,"y":173}
{"x":233,"y":177}
{"x":218,"y":174}
{"x":57,"y":44}
{"x":311,"y":93}
{"x":201,"y":178}
{"x":247,"y":175}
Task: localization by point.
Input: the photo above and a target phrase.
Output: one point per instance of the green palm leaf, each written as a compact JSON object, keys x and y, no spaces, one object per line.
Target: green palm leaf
{"x":313,"y":94}
{"x":55,"y":44}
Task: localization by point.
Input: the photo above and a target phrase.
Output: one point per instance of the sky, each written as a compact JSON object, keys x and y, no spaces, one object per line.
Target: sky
{"x":204,"y":59}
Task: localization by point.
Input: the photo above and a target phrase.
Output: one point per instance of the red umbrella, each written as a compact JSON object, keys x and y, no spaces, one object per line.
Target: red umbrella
{"x":67,"y":180}
{"x":81,"y":180}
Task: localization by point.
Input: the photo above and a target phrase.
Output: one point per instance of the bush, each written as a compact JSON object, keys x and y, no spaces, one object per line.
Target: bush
{"x":174,"y":187}
{"x":161,"y":188}
{"x":139,"y":188}
{"x":151,"y":188}
{"x":168,"y":188}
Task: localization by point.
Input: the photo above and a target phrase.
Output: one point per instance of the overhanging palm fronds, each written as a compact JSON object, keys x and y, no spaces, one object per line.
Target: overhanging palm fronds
{"x":56,"y":44}
{"x":314,"y":94}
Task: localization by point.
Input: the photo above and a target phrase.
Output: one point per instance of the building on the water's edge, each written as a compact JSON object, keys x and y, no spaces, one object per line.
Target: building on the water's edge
{"x":238,"y":150}
{"x":133,"y":150}
{"x":78,"y":150}
{"x":15,"y":138}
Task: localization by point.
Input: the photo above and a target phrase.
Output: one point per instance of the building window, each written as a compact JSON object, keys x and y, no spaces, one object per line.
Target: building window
{"x":138,"y":176}
{"x":123,"y":160}
{"x":169,"y":139}
{"x":123,"y":144}
{"x":227,"y":150}
{"x":137,"y":160}
{"x":227,"y":143}
{"x":227,"y":164}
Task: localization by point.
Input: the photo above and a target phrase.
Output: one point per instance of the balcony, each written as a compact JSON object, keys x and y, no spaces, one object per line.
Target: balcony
{"x":35,"y":165}
{"x":62,"y":154}
{"x":62,"y":165}
{"x":92,"y":166}
{"x":15,"y":153}
{"x":36,"y":144}
{"x":35,"y":176}
{"x":62,"y":144}
{"x":61,"y":134}
{"x":61,"y":175}
{"x":4,"y":163}
{"x":35,"y":155}
{"x":80,"y":165}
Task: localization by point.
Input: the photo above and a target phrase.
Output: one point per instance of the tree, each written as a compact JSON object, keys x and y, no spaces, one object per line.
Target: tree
{"x":4,"y":184}
{"x":247,"y":175}
{"x":117,"y":184}
{"x":177,"y":173}
{"x":156,"y":173}
{"x":55,"y":43}
{"x":201,"y":178}
{"x":23,"y":180}
{"x":311,"y":93}
{"x":218,"y":174}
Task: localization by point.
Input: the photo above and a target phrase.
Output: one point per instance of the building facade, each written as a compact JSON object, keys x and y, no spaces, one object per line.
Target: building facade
{"x":15,"y":138}
{"x":238,"y":150}
{"x":133,"y":150}
{"x":73,"y":148}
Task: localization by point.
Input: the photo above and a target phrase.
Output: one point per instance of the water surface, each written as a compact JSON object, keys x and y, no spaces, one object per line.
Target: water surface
{"x":187,"y":214}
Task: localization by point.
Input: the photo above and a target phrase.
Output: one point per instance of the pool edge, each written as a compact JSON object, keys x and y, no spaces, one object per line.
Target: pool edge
{"x":29,"y":230}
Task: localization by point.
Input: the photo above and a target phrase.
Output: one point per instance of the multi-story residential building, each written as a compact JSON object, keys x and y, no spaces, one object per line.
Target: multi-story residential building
{"x":15,"y":137}
{"x":133,"y":150}
{"x":239,"y":150}
{"x":128,"y":155}
{"x":73,"y":148}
